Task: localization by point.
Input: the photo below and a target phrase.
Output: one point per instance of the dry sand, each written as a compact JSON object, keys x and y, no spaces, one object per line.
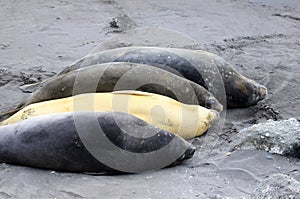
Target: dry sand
{"x":261,"y":39}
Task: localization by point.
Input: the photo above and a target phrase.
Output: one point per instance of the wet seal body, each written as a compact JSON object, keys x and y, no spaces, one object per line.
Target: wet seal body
{"x":118,"y":76}
{"x":188,"y":121}
{"x":53,"y":142}
{"x":195,"y":65}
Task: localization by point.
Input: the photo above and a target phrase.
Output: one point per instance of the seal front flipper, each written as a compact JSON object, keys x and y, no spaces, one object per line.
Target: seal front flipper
{"x":74,"y":142}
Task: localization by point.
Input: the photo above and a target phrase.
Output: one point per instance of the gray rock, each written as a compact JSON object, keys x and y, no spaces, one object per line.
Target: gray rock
{"x":277,"y":186}
{"x":280,"y":137}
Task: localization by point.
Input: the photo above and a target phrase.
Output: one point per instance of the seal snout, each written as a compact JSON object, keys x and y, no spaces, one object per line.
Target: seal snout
{"x":262,"y":92}
{"x":214,"y":116}
{"x":190,"y":152}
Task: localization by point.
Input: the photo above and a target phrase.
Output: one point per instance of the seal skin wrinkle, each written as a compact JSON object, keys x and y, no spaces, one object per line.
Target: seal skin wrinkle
{"x":53,"y":142}
{"x":195,"y":65}
{"x":119,"y":76}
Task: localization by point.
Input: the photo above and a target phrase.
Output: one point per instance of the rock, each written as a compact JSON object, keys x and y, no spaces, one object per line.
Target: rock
{"x":280,"y":137}
{"x":277,"y":186}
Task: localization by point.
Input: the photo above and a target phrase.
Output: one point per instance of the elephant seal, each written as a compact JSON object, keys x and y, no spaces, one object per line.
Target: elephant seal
{"x":117,"y":76}
{"x":188,"y":121}
{"x":71,"y":142}
{"x":198,"y":66}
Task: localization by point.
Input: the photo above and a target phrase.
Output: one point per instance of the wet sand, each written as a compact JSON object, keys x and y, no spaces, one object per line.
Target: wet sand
{"x":261,"y":39}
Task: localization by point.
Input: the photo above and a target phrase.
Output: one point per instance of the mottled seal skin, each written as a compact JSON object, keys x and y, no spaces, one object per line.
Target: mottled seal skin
{"x":123,"y":76}
{"x":53,"y":142}
{"x":197,"y":66}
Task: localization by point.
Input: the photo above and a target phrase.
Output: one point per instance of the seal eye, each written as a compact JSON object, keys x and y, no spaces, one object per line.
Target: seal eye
{"x":209,"y":103}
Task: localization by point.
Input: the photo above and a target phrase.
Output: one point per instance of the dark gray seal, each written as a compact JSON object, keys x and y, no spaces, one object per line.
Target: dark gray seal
{"x":197,"y":66}
{"x":117,"y":76}
{"x":59,"y":142}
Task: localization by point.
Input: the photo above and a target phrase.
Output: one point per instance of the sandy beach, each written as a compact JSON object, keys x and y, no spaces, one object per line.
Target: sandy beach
{"x":261,"y":39}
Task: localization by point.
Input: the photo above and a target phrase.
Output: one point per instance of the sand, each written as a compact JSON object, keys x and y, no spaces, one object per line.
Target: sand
{"x":261,"y":39}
